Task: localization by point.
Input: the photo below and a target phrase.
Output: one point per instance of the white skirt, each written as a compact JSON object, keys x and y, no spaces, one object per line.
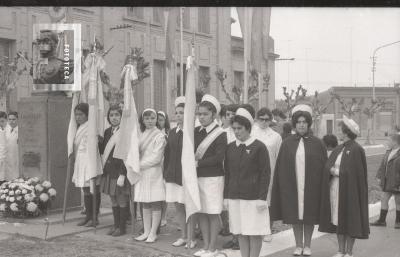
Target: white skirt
{"x":174,"y":193}
{"x":246,"y":219}
{"x":334,"y":200}
{"x":150,"y":187}
{"x":211,"y":194}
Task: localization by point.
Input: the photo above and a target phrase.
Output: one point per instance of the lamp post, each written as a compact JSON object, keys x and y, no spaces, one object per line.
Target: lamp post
{"x":373,"y":79}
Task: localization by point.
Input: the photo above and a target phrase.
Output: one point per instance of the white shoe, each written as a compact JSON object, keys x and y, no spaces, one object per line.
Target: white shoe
{"x":338,"y":255}
{"x":141,"y":237}
{"x":298,"y":251}
{"x":190,"y":245}
{"x":306,"y":251}
{"x":179,"y":242}
{"x":163,"y":223}
{"x":200,"y":252}
{"x":151,"y":239}
{"x":267,"y":238}
{"x":210,"y":254}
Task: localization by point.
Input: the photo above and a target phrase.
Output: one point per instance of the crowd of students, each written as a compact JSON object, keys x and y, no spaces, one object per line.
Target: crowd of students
{"x":253,"y":168}
{"x":9,"y":168}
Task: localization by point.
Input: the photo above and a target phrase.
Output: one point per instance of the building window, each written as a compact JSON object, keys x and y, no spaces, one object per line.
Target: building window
{"x":136,"y":12}
{"x":160,"y":91}
{"x":203,"y":18}
{"x":178,"y":79}
{"x":186,"y":19}
{"x":204,"y":78}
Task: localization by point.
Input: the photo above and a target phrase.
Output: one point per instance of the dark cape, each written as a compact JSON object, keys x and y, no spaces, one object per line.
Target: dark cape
{"x":353,"y":193}
{"x":284,"y":203}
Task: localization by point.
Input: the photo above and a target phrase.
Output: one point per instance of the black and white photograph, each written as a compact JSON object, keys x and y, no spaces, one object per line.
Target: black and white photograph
{"x":206,"y":131}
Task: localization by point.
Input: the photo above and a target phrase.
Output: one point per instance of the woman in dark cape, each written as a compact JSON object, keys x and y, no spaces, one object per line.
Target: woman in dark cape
{"x":344,"y":200}
{"x":297,"y":182}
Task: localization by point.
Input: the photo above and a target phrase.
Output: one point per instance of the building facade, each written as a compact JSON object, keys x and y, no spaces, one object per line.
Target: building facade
{"x":386,"y":119}
{"x":209,"y":27}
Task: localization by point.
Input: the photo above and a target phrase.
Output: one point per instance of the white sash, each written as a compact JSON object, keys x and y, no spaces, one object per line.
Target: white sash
{"x":110,"y":145}
{"x":144,"y":142}
{"x":202,"y":148}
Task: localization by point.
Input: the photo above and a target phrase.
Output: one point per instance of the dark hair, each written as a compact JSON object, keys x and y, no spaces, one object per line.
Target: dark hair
{"x":278,"y":112}
{"x":83,"y":107}
{"x":209,"y":106}
{"x":167,"y":126}
{"x":180,"y":105}
{"x":199,"y":96}
{"x":395,"y":137}
{"x":242,"y":121}
{"x":113,"y":108}
{"x":13,"y":113}
{"x":330,"y":141}
{"x":141,"y":122}
{"x":264,"y":111}
{"x":231,"y":107}
{"x":299,"y":114}
{"x":222,"y":113}
{"x":249,"y":108}
{"x":3,"y":115}
{"x":347,"y":131}
{"x":286,"y":130}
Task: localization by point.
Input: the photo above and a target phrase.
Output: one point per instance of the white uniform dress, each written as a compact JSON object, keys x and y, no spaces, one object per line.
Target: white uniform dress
{"x":272,"y":141}
{"x":300,"y":176}
{"x":3,"y":154}
{"x":244,"y":217}
{"x":334,"y":190}
{"x":12,"y":167}
{"x":151,"y":186}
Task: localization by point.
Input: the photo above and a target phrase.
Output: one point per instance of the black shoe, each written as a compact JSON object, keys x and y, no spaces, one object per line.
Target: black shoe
{"x":378,"y":223}
{"x":92,"y":223}
{"x":83,"y":222}
{"x":116,"y":214}
{"x":236,"y":246}
{"x":118,"y":232}
{"x":228,"y":245}
{"x":225,"y":233}
{"x":87,"y":199}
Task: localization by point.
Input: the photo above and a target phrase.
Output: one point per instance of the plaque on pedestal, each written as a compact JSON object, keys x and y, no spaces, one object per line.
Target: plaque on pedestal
{"x":43,"y":127}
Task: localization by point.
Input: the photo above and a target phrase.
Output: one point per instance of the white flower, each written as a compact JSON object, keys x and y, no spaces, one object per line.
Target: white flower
{"x":11,"y":192}
{"x":24,"y":191}
{"x":12,"y":186}
{"x":17,"y":192}
{"x":46,"y":184}
{"x":2,"y":207}
{"x":7,"y":198}
{"x":19,"y":198}
{"x":35,"y":179}
{"x":44,"y":197}
{"x":3,"y":197}
{"x":31,"y":207}
{"x":12,"y":199}
{"x":5,"y":190}
{"x":28,"y":197}
{"x":14,"y":207}
{"x":39,"y":188}
{"x":52,"y":192}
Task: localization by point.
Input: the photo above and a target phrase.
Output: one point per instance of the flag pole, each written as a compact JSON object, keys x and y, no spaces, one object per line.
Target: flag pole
{"x":181,"y":46}
{"x":245,"y":35}
{"x":69,"y":166}
{"x":94,"y":210}
{"x":151,"y":66}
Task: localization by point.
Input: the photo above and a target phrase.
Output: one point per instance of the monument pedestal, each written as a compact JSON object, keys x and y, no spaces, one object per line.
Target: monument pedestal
{"x":42,"y":140}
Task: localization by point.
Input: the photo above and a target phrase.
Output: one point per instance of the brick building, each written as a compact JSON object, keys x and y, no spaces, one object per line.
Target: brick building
{"x":214,"y":47}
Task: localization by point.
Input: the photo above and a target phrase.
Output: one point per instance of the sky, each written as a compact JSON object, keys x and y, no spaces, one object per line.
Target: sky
{"x":333,"y":46}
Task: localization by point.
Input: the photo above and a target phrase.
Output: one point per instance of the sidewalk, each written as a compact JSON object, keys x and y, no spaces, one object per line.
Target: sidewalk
{"x":383,"y":242}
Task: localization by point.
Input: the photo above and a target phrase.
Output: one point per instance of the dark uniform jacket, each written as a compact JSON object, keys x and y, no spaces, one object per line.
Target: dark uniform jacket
{"x":172,"y":157}
{"x":114,"y":167}
{"x":247,"y":171}
{"x":389,"y":173}
{"x":211,"y":165}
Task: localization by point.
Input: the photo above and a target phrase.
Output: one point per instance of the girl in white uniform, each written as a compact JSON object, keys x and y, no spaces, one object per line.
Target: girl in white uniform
{"x":150,"y":190}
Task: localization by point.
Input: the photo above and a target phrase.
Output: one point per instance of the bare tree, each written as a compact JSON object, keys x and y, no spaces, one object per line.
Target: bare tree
{"x":318,"y":109}
{"x":221,"y":76}
{"x":369,"y":111}
{"x":348,"y":107}
{"x":292,"y":98}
